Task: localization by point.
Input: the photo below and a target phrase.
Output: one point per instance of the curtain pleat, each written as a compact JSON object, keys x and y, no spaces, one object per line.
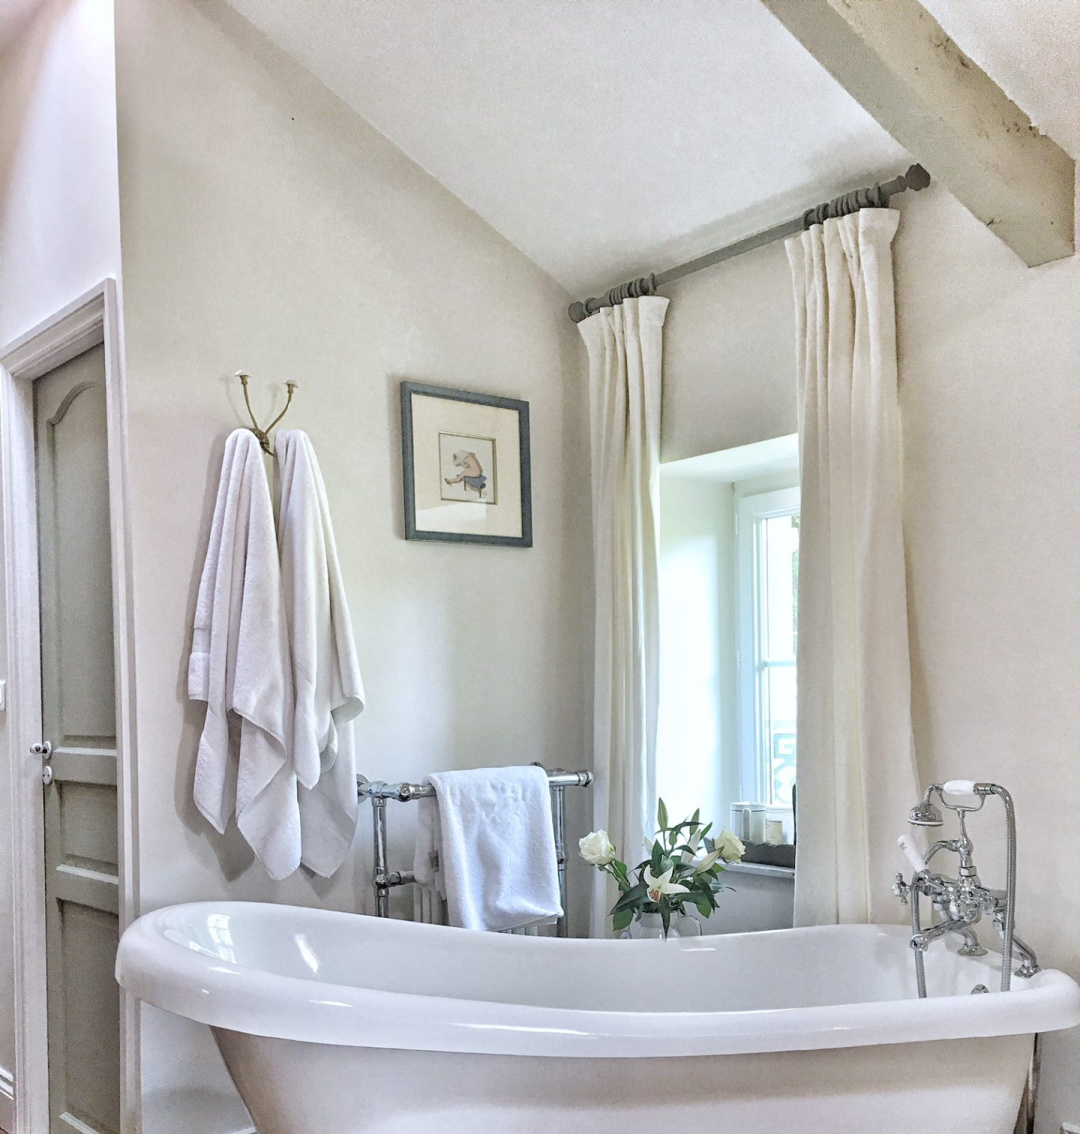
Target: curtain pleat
{"x":624,"y":345}
{"x":856,"y":764}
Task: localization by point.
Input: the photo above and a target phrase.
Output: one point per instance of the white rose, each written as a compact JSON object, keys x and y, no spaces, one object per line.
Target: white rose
{"x":596,"y":848}
{"x":729,"y":845}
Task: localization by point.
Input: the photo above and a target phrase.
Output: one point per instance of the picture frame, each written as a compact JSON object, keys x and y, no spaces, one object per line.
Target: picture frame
{"x":466,"y":465}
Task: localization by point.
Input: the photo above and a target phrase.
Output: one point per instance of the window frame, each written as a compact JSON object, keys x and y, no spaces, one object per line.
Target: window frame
{"x":751,"y":510}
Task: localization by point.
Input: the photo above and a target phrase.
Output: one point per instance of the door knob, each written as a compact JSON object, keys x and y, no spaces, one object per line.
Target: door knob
{"x":44,"y":750}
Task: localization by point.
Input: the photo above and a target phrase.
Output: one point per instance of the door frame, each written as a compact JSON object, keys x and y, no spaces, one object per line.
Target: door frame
{"x":90,"y":320}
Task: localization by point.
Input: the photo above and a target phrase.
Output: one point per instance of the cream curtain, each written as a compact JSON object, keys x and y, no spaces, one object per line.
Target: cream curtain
{"x":857,"y":773}
{"x":624,"y":345}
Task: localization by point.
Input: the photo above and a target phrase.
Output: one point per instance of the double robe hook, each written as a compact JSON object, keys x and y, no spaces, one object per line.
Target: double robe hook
{"x":264,"y":434}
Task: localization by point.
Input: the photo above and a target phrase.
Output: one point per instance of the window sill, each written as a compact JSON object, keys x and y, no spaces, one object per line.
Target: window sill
{"x":785,"y":872}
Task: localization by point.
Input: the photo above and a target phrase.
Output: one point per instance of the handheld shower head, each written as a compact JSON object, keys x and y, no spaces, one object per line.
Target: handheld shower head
{"x":926,"y":814}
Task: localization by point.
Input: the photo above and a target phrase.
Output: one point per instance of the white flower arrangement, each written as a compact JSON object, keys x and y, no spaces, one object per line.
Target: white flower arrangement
{"x":675,"y":874}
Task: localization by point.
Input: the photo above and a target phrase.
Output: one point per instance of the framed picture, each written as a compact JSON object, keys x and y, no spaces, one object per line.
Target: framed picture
{"x":466,"y":457}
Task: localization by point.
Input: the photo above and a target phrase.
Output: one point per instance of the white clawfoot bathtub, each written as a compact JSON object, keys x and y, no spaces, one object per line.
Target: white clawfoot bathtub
{"x":332,"y":1023}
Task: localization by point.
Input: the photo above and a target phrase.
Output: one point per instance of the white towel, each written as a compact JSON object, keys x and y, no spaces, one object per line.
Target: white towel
{"x":326,"y":674}
{"x":496,"y":847}
{"x":427,"y":870}
{"x":239,"y":667}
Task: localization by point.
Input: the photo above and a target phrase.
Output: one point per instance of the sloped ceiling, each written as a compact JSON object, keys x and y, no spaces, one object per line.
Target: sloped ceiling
{"x":601,"y":137}
{"x":606,"y":138}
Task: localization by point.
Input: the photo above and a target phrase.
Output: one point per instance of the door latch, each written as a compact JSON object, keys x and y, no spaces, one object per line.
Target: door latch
{"x":44,"y":750}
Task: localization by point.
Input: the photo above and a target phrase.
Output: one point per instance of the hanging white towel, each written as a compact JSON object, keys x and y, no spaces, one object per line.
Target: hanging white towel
{"x":239,"y":667}
{"x":496,"y":848}
{"x":426,"y":864}
{"x":326,"y":675}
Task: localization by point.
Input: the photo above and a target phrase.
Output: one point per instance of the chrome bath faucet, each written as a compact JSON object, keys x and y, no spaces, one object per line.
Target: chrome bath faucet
{"x":961,"y":902}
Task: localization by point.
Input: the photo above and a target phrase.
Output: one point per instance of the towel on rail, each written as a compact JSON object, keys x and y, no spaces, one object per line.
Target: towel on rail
{"x":239,"y":667}
{"x":490,"y":833}
{"x":326,"y":674}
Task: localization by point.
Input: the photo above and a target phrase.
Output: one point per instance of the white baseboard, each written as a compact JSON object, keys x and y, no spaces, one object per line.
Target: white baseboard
{"x":7,"y":1100}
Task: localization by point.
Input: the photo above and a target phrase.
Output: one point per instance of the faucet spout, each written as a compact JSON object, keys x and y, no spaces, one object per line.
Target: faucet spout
{"x":921,"y":941}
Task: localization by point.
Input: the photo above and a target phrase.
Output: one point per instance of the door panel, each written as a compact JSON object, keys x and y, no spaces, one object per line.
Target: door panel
{"x":79,"y":719}
{"x":91,"y":1022}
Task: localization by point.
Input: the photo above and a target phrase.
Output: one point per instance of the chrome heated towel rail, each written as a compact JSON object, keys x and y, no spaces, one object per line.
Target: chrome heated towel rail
{"x":384,"y":879}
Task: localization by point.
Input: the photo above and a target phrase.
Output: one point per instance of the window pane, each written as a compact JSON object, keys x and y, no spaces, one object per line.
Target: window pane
{"x":779,"y":732}
{"x":780,"y":576}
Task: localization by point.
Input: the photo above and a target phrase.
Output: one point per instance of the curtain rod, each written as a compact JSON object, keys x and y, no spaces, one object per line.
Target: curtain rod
{"x":876,"y":197}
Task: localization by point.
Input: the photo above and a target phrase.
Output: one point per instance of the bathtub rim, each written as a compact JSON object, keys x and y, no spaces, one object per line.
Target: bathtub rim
{"x":236,"y":997}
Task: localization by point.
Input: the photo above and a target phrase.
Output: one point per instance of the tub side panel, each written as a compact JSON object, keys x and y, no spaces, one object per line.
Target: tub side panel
{"x":292,"y":1088}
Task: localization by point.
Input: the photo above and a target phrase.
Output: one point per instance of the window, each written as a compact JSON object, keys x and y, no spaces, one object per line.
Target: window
{"x":767,"y":537}
{"x":711,"y":751}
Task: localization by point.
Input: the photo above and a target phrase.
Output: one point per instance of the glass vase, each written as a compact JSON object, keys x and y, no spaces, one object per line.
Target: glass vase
{"x":650,"y":926}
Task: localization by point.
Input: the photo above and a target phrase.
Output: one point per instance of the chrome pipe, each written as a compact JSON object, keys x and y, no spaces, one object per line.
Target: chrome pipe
{"x":1009,"y":918}
{"x":1029,"y":963}
{"x":382,"y":891}
{"x":406,"y":792}
{"x":916,"y":930}
{"x":558,"y":821}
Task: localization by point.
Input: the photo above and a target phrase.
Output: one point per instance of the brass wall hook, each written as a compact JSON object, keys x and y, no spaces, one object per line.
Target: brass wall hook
{"x":264,"y":434}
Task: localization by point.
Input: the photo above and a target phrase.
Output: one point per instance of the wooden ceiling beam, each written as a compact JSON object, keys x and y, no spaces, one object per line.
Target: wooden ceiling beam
{"x":895,"y":59}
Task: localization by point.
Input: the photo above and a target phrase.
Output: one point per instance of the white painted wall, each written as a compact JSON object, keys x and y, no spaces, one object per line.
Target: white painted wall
{"x":729,"y":357}
{"x":697,"y":731}
{"x":59,"y":236}
{"x":59,"y":225}
{"x":990,"y":397}
{"x":757,"y":899}
{"x":267,"y":227}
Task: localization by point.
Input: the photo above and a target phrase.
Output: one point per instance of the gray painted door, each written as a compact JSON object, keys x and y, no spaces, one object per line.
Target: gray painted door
{"x":79,"y":719}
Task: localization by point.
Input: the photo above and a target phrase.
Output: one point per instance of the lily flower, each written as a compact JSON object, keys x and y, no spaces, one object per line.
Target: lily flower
{"x":708,"y":861}
{"x":693,"y":842}
{"x":659,"y":886}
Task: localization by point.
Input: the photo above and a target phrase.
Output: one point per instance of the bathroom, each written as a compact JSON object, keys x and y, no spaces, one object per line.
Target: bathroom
{"x":353,"y":196}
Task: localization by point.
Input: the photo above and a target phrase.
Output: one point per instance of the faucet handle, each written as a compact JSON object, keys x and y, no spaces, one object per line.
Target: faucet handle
{"x":911,"y":852}
{"x":901,"y":889}
{"x":959,"y":787}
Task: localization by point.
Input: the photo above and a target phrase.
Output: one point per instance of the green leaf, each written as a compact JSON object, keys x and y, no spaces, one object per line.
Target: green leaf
{"x":704,"y":904}
{"x":661,"y":815}
{"x":620,"y":920}
{"x":633,"y":897}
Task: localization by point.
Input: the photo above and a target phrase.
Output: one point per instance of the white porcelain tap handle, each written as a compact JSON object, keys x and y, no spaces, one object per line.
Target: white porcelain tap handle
{"x":959,"y":787}
{"x":918,"y":864}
